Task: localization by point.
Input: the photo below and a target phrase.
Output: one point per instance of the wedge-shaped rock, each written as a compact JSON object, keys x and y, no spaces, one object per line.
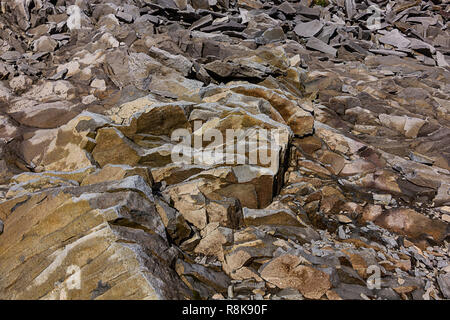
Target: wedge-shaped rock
{"x":414,"y":225}
{"x":283,"y":217}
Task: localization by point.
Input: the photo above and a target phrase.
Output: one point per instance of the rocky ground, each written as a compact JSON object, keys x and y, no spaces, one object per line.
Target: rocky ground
{"x":357,"y":206}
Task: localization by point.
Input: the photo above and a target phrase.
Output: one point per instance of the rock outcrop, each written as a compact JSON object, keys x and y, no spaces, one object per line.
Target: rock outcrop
{"x":224,"y":150}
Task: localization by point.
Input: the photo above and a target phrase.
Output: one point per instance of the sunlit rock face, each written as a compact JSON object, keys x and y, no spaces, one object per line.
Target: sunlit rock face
{"x":216,"y":150}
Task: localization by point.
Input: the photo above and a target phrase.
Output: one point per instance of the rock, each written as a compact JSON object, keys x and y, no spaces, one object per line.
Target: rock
{"x":334,"y":161}
{"x":446,"y":218}
{"x":413,"y":224}
{"x":440,"y":59}
{"x":316,"y":44}
{"x":344,"y":219}
{"x":308,"y":29}
{"x":44,"y":44}
{"x":444,"y":284}
{"x":270,"y":217}
{"x":372,"y":212}
{"x":217,"y":281}
{"x":68,"y":69}
{"x":45,"y":115}
{"x":286,"y":272}
{"x":93,"y":234}
{"x":395,"y":38}
{"x":123,"y":16}
{"x":383,"y":199}
{"x":408,"y":126}
{"x":414,"y":156}
{"x":114,"y":161}
{"x":352,"y":291}
{"x":228,"y":26}
{"x":202,"y":22}
{"x":20,"y":83}
{"x":177,"y":62}
{"x":290,"y":294}
{"x":350,"y":8}
{"x":287,"y":8}
{"x":215,"y":238}
{"x":112,"y":147}
{"x":116,"y":172}
{"x":273,"y":35}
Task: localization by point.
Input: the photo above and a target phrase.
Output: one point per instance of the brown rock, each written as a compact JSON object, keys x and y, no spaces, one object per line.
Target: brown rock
{"x":112,"y":147}
{"x":286,"y":272}
{"x":372,"y":212}
{"x":94,"y":239}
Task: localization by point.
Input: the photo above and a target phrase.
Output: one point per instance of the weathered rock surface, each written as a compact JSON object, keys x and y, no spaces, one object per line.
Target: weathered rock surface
{"x":114,"y":119}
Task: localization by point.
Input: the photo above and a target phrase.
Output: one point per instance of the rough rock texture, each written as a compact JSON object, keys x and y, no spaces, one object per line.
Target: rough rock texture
{"x":353,"y":204}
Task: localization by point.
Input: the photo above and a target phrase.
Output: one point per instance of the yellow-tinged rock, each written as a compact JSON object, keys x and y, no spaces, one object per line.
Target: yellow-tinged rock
{"x":123,"y":113}
{"x":112,"y":172}
{"x":77,"y":175}
{"x":69,"y":150}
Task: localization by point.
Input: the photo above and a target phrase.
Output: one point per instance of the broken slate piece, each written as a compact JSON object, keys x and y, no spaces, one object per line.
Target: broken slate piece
{"x":226,"y":26}
{"x":444,"y":284}
{"x":287,"y":8}
{"x":396,"y":39}
{"x":421,"y":46}
{"x":440,"y":60}
{"x":123,"y":16}
{"x":308,"y":29}
{"x":59,"y":75}
{"x":11,"y":56}
{"x":321,"y":46}
{"x":272,"y":35}
{"x":313,"y":13}
{"x":202,"y":22}
{"x":386,"y":52}
{"x":350,"y":8}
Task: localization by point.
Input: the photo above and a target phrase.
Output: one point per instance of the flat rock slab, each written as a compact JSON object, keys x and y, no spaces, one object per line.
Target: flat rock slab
{"x":389,"y":52}
{"x":321,"y":46}
{"x":308,"y":29}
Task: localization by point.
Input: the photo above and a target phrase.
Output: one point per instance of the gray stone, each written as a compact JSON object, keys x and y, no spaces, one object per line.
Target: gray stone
{"x":396,"y":39}
{"x":352,"y":291}
{"x":11,"y":56}
{"x":308,"y":29}
{"x":123,"y":16}
{"x":350,"y":8}
{"x":273,"y":35}
{"x":45,"y":44}
{"x":287,"y":8}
